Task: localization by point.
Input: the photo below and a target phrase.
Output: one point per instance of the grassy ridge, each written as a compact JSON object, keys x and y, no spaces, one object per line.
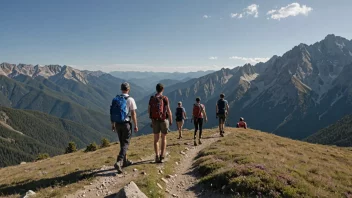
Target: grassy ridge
{"x":251,"y":163}
{"x":65,"y":174}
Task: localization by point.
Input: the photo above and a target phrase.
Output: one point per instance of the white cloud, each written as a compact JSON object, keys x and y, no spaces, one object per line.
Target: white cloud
{"x":206,"y":16}
{"x":293,"y":9}
{"x":213,"y":58}
{"x":249,"y":60}
{"x":233,"y":15}
{"x":251,"y":10}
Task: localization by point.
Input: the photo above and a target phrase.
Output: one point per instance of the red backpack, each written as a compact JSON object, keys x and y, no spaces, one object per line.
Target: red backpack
{"x":197,"y":110}
{"x":157,"y":107}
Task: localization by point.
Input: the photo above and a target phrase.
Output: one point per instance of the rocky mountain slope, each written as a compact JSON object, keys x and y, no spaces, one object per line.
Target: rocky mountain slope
{"x":339,"y":133}
{"x":24,"y":134}
{"x":292,"y":95}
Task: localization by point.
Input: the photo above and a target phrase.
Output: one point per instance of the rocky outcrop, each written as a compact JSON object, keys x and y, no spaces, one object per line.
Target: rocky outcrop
{"x":131,"y":190}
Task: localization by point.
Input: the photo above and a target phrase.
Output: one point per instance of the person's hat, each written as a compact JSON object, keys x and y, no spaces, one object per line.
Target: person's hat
{"x":179,"y":102}
{"x":125,"y":86}
{"x":241,"y":119}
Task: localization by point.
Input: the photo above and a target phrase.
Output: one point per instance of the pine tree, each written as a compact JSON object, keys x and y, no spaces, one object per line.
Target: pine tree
{"x":71,"y":148}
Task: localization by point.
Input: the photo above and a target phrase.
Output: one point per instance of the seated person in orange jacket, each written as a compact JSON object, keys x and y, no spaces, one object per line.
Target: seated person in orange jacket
{"x":242,"y":124}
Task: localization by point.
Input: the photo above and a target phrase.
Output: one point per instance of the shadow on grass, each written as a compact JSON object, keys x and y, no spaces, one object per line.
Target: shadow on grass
{"x":24,"y":186}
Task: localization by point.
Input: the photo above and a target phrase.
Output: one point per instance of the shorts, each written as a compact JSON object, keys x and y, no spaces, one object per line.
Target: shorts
{"x":160,"y":126}
{"x":222,"y":118}
{"x":179,"y":119}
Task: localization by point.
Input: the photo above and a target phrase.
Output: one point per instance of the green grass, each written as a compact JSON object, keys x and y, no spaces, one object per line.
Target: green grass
{"x":65,"y":174}
{"x":251,"y":163}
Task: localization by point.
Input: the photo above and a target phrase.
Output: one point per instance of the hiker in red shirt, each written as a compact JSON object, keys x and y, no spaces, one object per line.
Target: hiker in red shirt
{"x":242,"y":124}
{"x":199,"y":116}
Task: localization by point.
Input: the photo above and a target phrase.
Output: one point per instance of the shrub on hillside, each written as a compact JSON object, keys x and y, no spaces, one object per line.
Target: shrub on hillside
{"x":71,"y":148}
{"x":105,"y":143}
{"x":91,"y":147}
{"x":42,"y":156}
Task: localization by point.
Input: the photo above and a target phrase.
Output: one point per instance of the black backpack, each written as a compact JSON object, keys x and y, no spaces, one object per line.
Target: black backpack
{"x":179,"y":113}
{"x":221,"y":106}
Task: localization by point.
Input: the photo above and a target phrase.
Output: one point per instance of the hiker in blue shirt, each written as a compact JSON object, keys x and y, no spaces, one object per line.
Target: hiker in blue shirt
{"x":180,"y":117}
{"x":222,"y":110}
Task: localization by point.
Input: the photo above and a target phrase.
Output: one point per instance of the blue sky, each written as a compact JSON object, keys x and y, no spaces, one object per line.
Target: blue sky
{"x":163,"y":35}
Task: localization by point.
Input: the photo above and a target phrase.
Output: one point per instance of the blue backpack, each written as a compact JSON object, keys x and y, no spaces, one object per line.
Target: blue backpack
{"x":118,"y":109}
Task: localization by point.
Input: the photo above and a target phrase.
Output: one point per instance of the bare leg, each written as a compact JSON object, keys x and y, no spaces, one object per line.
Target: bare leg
{"x":163,"y":144}
{"x":156,"y":144}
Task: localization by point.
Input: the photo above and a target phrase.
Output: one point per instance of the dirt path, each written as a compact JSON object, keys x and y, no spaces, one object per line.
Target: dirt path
{"x":184,"y":183}
{"x":108,"y":183}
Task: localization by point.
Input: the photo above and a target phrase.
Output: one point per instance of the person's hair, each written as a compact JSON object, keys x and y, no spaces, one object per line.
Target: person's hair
{"x":222,"y":95}
{"x":241,"y":119}
{"x":198,"y":99}
{"x":159,"y":87}
{"x":179,"y":103}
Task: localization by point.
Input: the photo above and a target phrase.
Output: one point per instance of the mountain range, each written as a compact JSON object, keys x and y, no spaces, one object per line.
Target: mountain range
{"x":293,"y":95}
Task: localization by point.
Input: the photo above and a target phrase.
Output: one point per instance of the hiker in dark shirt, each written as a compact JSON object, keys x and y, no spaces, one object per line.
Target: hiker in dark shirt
{"x":180,"y":117}
{"x":222,"y":110}
{"x":242,"y":124}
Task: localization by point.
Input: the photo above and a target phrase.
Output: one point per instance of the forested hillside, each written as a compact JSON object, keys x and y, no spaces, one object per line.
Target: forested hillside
{"x":24,"y":134}
{"x":339,"y":133}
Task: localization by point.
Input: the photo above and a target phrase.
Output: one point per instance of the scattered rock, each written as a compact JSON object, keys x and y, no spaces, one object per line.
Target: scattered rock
{"x":174,"y":195}
{"x":62,"y":163}
{"x":176,"y":163}
{"x":161,"y":171}
{"x":144,"y":173}
{"x":159,"y":186}
{"x":135,"y":170}
{"x":187,"y":149}
{"x":165,"y":180}
{"x":29,"y":194}
{"x":169,"y":176}
{"x":131,"y":190}
{"x":23,"y":163}
{"x":90,"y":183}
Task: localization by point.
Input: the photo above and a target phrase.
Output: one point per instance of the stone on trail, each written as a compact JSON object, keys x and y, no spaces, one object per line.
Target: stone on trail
{"x":29,"y":194}
{"x":159,"y":186}
{"x":165,"y":180}
{"x":131,"y":190}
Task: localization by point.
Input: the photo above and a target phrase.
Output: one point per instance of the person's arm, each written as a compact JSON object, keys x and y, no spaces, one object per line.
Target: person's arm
{"x":169,"y":113}
{"x":227,"y":108}
{"x":205,"y":114}
{"x":245,"y":125}
{"x":184,"y":115}
{"x":217,"y":111}
{"x":134,"y":119}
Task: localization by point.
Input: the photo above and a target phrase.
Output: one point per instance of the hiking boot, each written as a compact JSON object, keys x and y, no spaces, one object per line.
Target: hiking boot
{"x":222,"y":134}
{"x":195,"y":143}
{"x":127,"y":163}
{"x":118,"y":167}
{"x":157,"y":159}
{"x":179,"y":137}
{"x":199,"y":142}
{"x":161,"y":159}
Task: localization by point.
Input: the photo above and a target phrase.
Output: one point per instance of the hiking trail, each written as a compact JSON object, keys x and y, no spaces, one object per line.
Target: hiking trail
{"x":182,"y":184}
